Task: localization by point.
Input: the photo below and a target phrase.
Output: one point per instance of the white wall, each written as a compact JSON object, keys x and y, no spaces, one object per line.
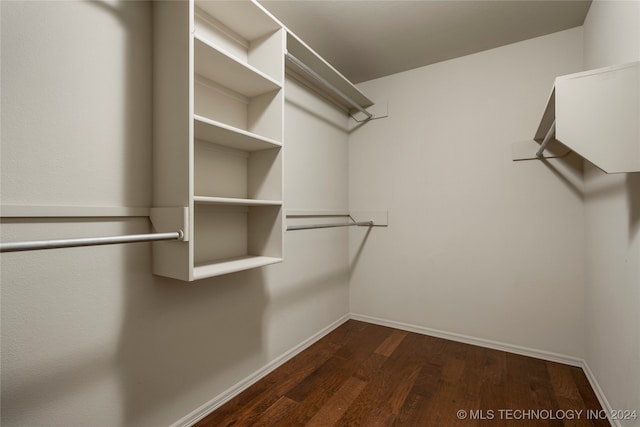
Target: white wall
{"x":612,"y":36}
{"x":477,"y":244}
{"x":67,"y":97}
{"x":89,"y":336}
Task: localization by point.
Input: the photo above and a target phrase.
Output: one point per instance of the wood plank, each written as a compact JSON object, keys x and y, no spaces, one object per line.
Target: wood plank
{"x":495,"y":378}
{"x":417,"y":412}
{"x":379,"y":417}
{"x":564,"y":386}
{"x":276,"y":412}
{"x":328,"y":376}
{"x":566,"y":392}
{"x":391,"y":343}
{"x":432,"y":351}
{"x":544,"y":397}
{"x":369,"y":375}
{"x":317,"y":389}
{"x":250,"y":404}
{"x":588,"y":397}
{"x":389,"y":387}
{"x":364,"y":340}
{"x":451,"y":394}
{"x":369,"y":367}
{"x":339,"y":402}
{"x":519,"y":393}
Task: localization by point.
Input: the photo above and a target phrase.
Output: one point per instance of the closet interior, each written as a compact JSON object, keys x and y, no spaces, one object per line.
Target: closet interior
{"x":256,"y":205}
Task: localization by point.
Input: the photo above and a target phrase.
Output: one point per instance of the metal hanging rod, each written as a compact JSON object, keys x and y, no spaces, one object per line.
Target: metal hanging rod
{"x":327,"y":85}
{"x":313,"y":226}
{"x":88,"y":241}
{"x":547,"y":138}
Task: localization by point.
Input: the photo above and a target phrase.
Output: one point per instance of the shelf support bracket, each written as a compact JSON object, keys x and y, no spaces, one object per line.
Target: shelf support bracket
{"x":171,"y":218}
{"x":547,"y":138}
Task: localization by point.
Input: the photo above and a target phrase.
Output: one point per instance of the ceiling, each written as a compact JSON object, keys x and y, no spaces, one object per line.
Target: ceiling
{"x":366,"y":39}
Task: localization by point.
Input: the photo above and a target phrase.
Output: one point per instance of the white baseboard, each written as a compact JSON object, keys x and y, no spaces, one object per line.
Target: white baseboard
{"x":238,"y":388}
{"x":599,"y":393}
{"x":496,"y":345}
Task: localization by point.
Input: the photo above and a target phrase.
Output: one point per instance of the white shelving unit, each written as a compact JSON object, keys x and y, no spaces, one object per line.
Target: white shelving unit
{"x":597,"y":115}
{"x":218,"y":122}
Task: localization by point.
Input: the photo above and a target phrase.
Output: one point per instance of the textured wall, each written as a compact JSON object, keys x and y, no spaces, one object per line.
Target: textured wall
{"x":477,"y":244}
{"x":612,"y":37}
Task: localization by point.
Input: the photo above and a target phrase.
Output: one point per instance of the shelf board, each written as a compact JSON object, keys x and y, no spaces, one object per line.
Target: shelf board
{"x":245,"y":18}
{"x":206,"y":200}
{"x":230,"y":72}
{"x":219,"y":133}
{"x":596,"y":114}
{"x":231,"y":265}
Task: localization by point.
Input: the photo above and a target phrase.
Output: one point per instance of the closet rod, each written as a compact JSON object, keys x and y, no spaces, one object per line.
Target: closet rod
{"x":547,"y":138}
{"x":88,"y":241}
{"x":312,"y":226}
{"x":326,"y":84}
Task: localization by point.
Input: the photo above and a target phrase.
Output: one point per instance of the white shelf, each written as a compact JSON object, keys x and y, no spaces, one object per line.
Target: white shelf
{"x":247,"y":19}
{"x":219,"y":105}
{"x":230,"y":72}
{"x":219,"y":133}
{"x":596,"y":115}
{"x":231,"y":265}
{"x":206,"y":200}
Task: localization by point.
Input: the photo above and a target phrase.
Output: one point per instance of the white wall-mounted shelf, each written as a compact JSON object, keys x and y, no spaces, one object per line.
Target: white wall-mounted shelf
{"x":229,"y":72}
{"x":597,"y":115}
{"x":218,"y":133}
{"x":219,"y":105}
{"x":222,"y":134}
{"x":231,"y":201}
{"x":220,"y":171}
{"x":232,"y":265}
{"x":243,"y":30}
{"x":244,"y":21}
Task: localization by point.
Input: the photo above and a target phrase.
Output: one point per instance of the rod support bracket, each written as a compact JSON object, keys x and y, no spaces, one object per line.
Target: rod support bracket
{"x":170,"y":219}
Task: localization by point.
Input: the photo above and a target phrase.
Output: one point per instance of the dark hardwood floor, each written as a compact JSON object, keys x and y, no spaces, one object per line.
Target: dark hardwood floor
{"x":367,"y":375}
